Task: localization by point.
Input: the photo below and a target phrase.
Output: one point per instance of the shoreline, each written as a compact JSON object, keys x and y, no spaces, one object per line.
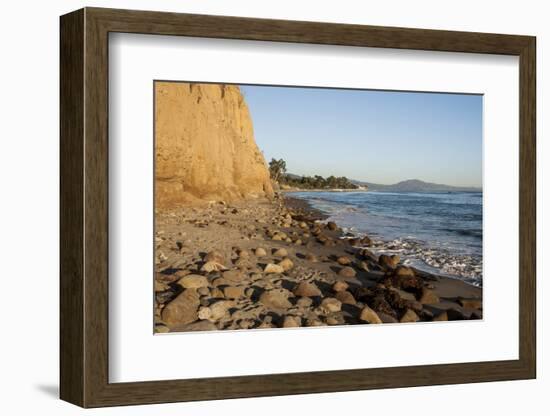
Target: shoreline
{"x":305,"y":205}
{"x":278,"y":264}
{"x":293,"y":190}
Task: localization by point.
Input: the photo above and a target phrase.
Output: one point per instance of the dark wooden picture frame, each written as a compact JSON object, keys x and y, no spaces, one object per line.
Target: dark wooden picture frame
{"x":84,"y":207}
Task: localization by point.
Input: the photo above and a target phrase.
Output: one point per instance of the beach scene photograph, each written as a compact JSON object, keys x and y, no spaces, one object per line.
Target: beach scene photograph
{"x":297,"y":207}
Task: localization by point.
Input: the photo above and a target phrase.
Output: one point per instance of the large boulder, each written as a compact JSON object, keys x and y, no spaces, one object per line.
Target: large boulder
{"x":183,"y":309}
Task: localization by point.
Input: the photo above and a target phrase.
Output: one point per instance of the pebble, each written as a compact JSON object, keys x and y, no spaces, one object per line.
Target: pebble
{"x":339,"y":286}
{"x":331,"y":305}
{"x":260,"y":252}
{"x":212,"y":266}
{"x":368,"y":315}
{"x":347,"y":272}
{"x":343,"y":260}
{"x":281,"y":252}
{"x":273,"y":268}
{"x":233,"y":292}
{"x":346,"y":297}
{"x":291,"y":322}
{"x":276,"y":298}
{"x":193,"y":281}
{"x":233,"y":275}
{"x":409,"y":316}
{"x":307,"y":289}
{"x":304,"y":302}
{"x":286,"y":264}
{"x":310,"y":257}
{"x":214,"y":256}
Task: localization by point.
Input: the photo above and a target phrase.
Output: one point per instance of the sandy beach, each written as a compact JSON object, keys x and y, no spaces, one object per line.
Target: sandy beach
{"x":281,"y":264}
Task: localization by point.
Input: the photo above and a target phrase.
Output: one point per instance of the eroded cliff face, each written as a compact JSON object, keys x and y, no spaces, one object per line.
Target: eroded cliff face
{"x":205,"y":148}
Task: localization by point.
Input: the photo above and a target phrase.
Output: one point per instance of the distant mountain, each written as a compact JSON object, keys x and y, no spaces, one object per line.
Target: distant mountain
{"x":415,"y":185}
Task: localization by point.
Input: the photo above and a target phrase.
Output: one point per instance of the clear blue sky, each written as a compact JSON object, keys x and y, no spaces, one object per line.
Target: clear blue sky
{"x":375,"y":136}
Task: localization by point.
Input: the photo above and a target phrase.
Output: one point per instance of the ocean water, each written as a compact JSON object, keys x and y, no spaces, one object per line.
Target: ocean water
{"x":437,"y":232}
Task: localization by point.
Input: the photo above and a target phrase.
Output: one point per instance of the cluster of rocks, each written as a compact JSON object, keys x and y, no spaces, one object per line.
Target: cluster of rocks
{"x":269,"y":266}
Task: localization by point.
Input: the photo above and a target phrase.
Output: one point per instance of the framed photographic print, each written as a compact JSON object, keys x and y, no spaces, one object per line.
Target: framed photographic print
{"x":280,"y":207}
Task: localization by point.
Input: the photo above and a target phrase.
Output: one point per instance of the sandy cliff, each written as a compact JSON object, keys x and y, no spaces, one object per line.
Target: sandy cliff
{"x":205,"y":148}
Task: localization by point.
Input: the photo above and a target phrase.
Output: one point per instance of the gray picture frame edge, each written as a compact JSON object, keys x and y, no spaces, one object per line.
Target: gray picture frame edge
{"x":84,"y":206}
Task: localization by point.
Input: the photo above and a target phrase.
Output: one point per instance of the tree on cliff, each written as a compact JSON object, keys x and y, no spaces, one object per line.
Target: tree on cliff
{"x":277,"y":168}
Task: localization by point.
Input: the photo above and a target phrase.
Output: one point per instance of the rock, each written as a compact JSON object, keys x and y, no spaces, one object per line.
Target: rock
{"x":242,"y":263}
{"x":366,"y":241}
{"x":205,"y":147}
{"x":196,"y":326}
{"x":335,"y":320}
{"x":409,"y":316}
{"x":315,"y":322}
{"x":476,"y":315}
{"x":291,"y":322}
{"x":368,"y":315}
{"x":343,"y":260}
{"x":347,"y":272}
{"x":345,"y":297}
{"x":426,"y":315}
{"x":364,"y":266}
{"x":455,"y":314}
{"x":286,"y":264}
{"x":306,"y":289}
{"x":244,"y":254}
{"x":183,"y":309}
{"x":414,"y":305}
{"x":428,"y":297}
{"x":281,"y":252}
{"x":249,"y":292}
{"x":205,"y":313}
{"x":310,"y":257}
{"x":273,"y":268}
{"x":193,"y":281}
{"x":220,"y":281}
{"x":395,"y":259}
{"x":219,"y":309}
{"x":330,"y":305}
{"x":302,"y":225}
{"x":470,"y":303}
{"x":260,"y":252}
{"x":442,"y":316}
{"x":216,"y":293}
{"x":214,"y":256}
{"x":388,"y":262}
{"x":203,"y":291}
{"x":402,"y":271}
{"x":160,"y":286}
{"x":332,"y":226}
{"x":339,"y":286}
{"x":212,"y":266}
{"x":233,"y":292}
{"x":304,"y":302}
{"x":407,"y":282}
{"x":353,"y":241}
{"x":161,"y":329}
{"x":276,"y":298}
{"x":387,"y":319}
{"x":233,"y":275}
